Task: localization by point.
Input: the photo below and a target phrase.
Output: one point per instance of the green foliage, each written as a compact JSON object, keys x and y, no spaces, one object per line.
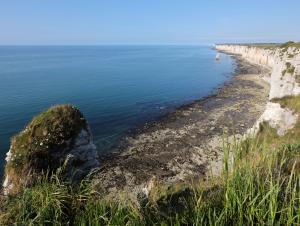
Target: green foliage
{"x":289,"y":69}
{"x":260,"y":185}
{"x":290,"y":44}
{"x":260,"y":188}
{"x":55,"y":202}
{"x":264,"y":45}
{"x":284,"y":47}
{"x":287,"y":44}
{"x":35,"y":149}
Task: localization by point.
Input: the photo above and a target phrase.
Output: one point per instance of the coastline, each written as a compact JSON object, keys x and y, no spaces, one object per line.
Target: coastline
{"x":186,"y":144}
{"x":190,"y":164}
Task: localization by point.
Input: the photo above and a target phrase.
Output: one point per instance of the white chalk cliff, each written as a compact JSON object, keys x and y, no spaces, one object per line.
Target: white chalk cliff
{"x":285,"y":71}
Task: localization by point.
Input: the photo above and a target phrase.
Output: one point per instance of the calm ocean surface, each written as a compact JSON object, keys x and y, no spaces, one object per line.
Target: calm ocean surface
{"x":118,"y":88}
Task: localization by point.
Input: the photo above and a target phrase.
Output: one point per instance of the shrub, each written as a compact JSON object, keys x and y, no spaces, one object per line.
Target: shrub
{"x":287,"y":44}
{"x":40,"y":145}
{"x":289,"y":69}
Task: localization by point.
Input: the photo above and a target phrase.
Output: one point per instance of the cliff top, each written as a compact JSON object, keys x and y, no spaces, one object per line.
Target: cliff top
{"x":37,"y":147}
{"x":269,"y":45}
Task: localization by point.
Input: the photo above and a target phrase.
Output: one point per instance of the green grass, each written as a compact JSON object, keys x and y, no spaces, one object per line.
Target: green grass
{"x":33,"y":149}
{"x":260,"y":185}
{"x":262,"y":188}
{"x":290,"y":44}
{"x":284,"y":46}
{"x":265,"y":45}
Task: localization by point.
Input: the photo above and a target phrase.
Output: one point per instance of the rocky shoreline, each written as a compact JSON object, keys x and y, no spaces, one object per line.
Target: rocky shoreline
{"x":187,"y":143}
{"x":180,"y":152}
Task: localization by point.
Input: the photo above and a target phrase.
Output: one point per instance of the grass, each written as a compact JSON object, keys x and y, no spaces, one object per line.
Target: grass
{"x":265,"y":45}
{"x":260,"y":185}
{"x":35,"y":147}
{"x":271,"y":46}
{"x":290,"y":44}
{"x":269,"y":135}
{"x":284,"y":46}
{"x":262,"y":188}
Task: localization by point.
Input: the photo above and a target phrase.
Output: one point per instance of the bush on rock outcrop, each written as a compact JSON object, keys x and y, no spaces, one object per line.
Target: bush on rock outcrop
{"x":55,"y":138}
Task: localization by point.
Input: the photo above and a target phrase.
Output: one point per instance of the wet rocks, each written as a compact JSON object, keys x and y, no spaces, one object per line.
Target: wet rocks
{"x":185,"y":144}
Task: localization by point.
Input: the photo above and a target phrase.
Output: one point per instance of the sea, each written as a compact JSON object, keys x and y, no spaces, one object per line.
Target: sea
{"x":118,"y":88}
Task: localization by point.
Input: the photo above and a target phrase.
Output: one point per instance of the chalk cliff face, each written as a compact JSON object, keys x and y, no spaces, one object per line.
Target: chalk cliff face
{"x":57,"y":138}
{"x":284,"y":79}
{"x":285,"y":64}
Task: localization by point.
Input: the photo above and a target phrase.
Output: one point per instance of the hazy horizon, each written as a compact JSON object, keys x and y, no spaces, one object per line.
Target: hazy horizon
{"x":143,"y":22}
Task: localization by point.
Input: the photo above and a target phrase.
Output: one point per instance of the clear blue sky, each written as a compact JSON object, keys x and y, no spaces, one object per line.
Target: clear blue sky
{"x":148,"y":21}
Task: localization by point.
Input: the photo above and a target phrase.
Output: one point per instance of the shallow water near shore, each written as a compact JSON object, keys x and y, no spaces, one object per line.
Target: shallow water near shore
{"x":118,"y":88}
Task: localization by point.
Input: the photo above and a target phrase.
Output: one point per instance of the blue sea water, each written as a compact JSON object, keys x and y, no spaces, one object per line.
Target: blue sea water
{"x":118,"y":88}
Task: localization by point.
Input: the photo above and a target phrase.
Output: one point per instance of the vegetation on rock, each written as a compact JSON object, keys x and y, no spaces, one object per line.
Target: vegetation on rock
{"x":41,"y":144}
{"x":272,"y":46}
{"x":290,"y":69}
{"x":259,"y":185}
{"x":290,"y":44}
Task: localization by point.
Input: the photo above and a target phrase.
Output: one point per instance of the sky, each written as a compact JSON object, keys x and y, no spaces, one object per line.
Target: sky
{"x":92,"y":22}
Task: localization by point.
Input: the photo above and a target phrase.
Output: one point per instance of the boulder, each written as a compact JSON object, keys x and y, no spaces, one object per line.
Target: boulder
{"x":59,"y":138}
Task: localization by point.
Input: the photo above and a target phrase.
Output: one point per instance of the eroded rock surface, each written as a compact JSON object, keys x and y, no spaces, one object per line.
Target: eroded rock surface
{"x":284,"y":81}
{"x":281,"y":119}
{"x":284,"y":64}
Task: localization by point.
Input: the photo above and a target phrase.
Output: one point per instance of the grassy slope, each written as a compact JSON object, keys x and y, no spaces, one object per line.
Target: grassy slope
{"x":283,"y":46}
{"x":261,"y":188}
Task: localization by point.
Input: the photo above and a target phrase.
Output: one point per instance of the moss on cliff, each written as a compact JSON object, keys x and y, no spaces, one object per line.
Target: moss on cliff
{"x":38,"y":146}
{"x":273,"y":46}
{"x":290,"y":44}
{"x":290,"y":69}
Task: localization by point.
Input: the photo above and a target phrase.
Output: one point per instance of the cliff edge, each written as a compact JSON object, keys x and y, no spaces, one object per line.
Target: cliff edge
{"x":284,"y":80}
{"x":59,"y":137}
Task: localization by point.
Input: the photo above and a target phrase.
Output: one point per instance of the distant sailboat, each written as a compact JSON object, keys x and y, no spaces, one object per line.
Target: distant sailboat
{"x":218,"y":56}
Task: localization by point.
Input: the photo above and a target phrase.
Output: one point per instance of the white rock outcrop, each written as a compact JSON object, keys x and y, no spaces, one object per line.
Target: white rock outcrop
{"x":79,"y":159}
{"x":285,"y":71}
{"x":278,"y":118}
